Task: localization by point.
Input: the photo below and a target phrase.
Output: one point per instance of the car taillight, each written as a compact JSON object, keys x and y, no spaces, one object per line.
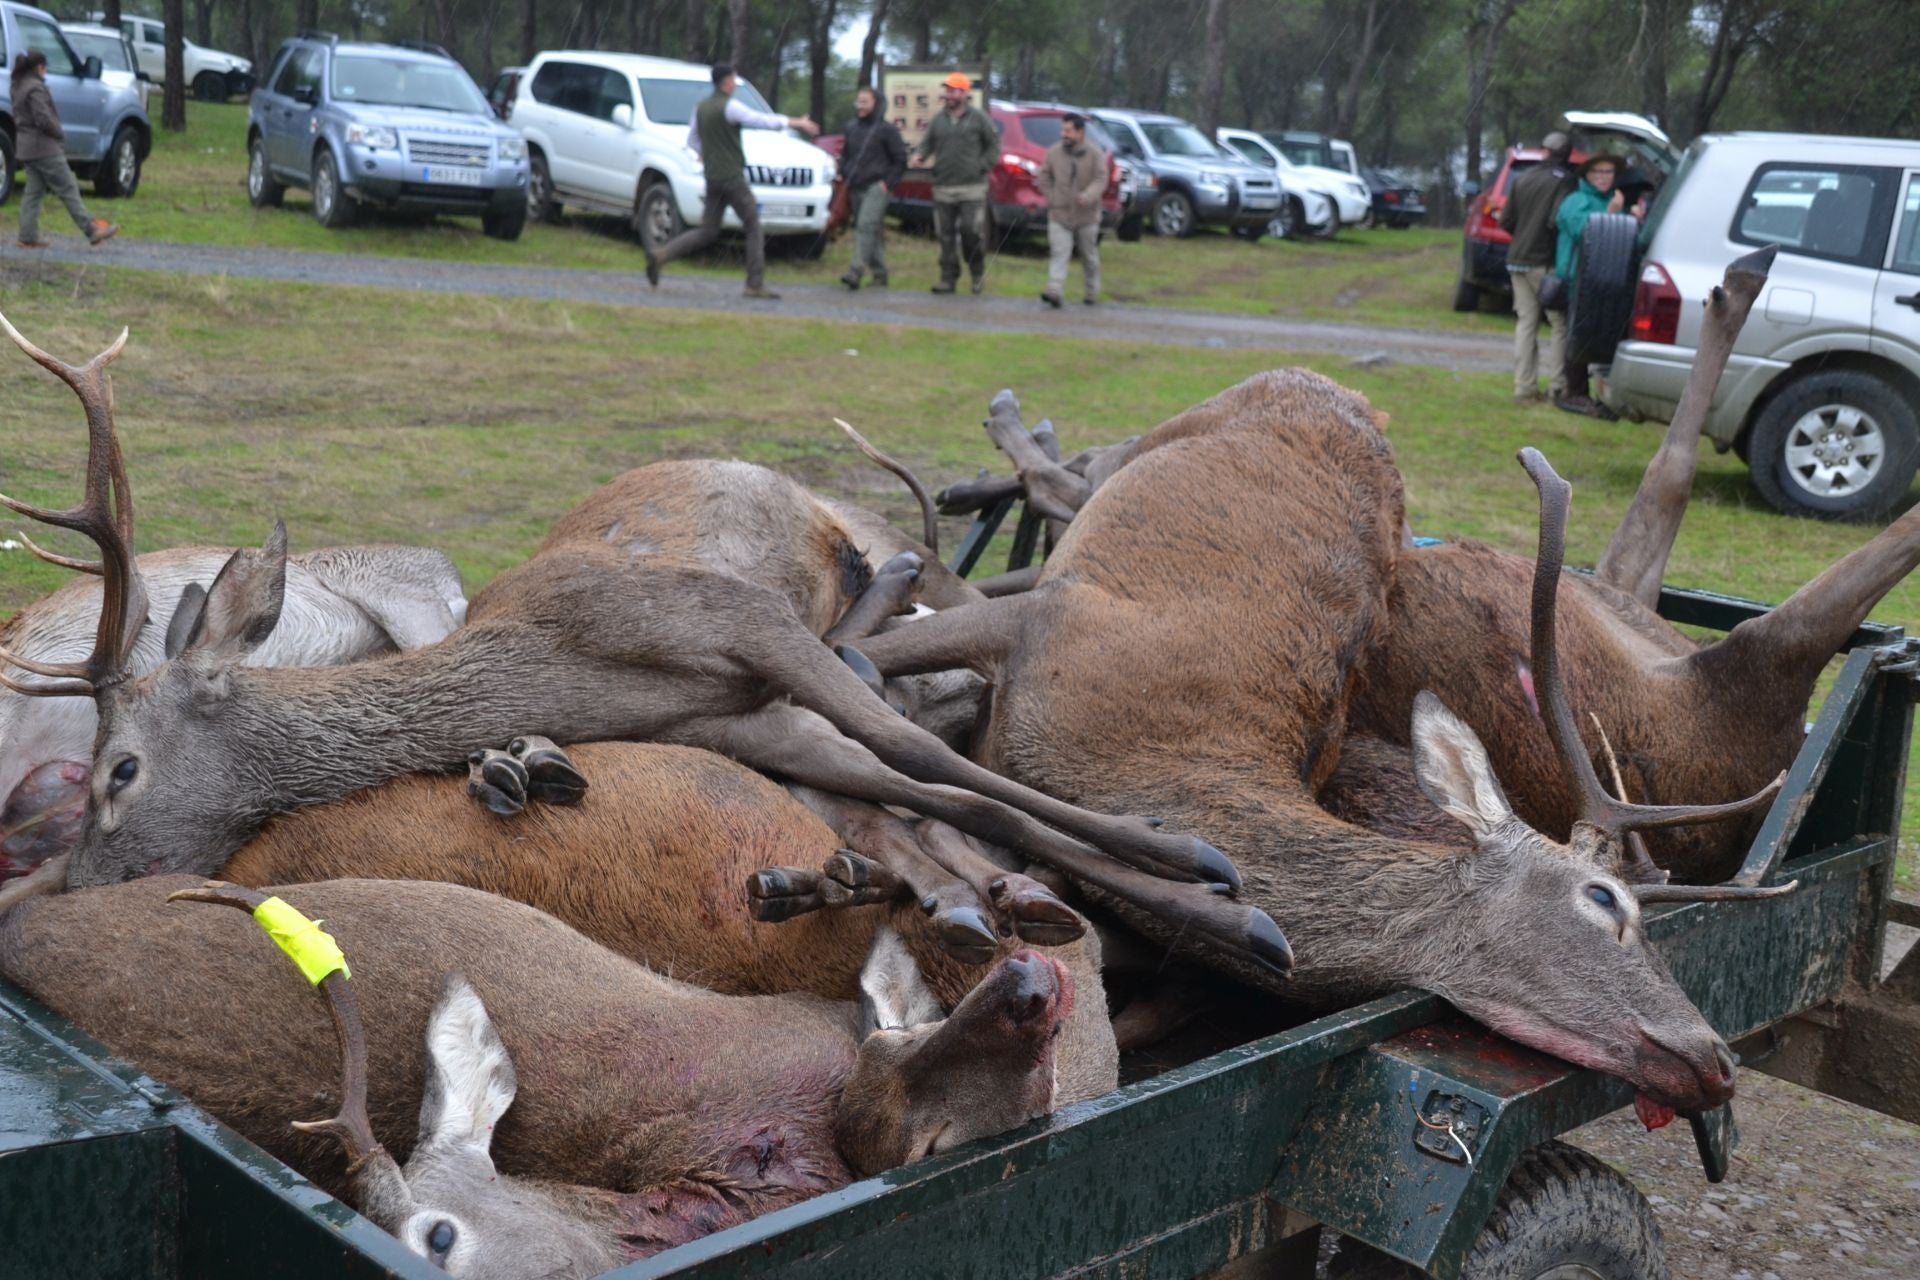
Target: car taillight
{"x":1019,"y":164}
{"x":1391,"y":197}
{"x":1656,"y":306}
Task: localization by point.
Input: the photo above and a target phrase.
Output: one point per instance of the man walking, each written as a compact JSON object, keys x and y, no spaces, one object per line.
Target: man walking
{"x":1073,"y":177}
{"x":875,"y":157}
{"x":1531,"y":202}
{"x":43,"y":154}
{"x":715,"y":136}
{"x":963,"y":144}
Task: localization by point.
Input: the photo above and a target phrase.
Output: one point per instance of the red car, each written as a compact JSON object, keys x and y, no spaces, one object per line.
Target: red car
{"x":1026,"y":131}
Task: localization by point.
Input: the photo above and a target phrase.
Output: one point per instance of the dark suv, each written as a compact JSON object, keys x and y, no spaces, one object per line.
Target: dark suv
{"x":401,"y":126}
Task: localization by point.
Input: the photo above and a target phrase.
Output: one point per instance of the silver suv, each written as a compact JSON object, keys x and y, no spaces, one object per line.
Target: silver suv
{"x":1822,"y":395}
{"x":104,"y":113}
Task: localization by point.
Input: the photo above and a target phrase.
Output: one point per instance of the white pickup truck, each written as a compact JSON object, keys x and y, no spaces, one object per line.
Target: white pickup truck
{"x":211,"y":75}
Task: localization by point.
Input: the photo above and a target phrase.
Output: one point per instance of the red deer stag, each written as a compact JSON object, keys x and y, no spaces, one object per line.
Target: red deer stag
{"x":342,"y":604}
{"x":680,"y":602}
{"x":633,"y":1112}
{"x":1143,"y":671}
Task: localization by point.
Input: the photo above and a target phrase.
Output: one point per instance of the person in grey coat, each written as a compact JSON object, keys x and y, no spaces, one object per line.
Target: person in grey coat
{"x":41,"y":148}
{"x":875,"y":157}
{"x":1072,"y":178}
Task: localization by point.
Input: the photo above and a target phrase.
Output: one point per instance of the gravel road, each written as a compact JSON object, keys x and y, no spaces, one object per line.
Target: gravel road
{"x":913,"y":307}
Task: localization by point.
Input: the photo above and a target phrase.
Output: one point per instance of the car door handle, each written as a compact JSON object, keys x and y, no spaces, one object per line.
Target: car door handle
{"x":1911,"y":300}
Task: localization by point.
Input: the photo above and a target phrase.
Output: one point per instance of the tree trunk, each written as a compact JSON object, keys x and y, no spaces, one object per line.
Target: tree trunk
{"x":528,"y":46}
{"x":173,"y":96}
{"x":870,"y":47}
{"x":696,"y":30}
{"x":923,"y":37}
{"x":737,"y":17}
{"x":306,"y":15}
{"x":1347,"y":116}
{"x":1732,"y":36}
{"x":110,"y":11}
{"x":443,"y":23}
{"x":1213,"y":80}
{"x":203,"y":22}
{"x":820,"y":56}
{"x":1484,"y":29}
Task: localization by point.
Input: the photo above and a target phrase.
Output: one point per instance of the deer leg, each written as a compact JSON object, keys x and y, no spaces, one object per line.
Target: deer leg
{"x":960,"y":916}
{"x":1636,"y":557}
{"x":1009,"y":584}
{"x":975,"y":636}
{"x":803,"y":747}
{"x":1052,"y":490}
{"x":550,"y":775}
{"x":890,"y":593}
{"x":775,"y":894}
{"x":498,"y":781}
{"x":1038,"y":914}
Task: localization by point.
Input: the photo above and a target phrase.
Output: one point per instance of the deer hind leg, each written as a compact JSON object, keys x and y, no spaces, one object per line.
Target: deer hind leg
{"x":775,"y":894}
{"x":890,"y":593}
{"x":803,"y":747}
{"x":1035,"y":912}
{"x":551,"y":777}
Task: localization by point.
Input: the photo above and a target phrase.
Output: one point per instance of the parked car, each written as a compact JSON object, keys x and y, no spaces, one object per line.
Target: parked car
{"x":608,"y":132}
{"x":505,"y":88}
{"x":1193,"y":181}
{"x":1317,"y":201}
{"x":1483,"y":260}
{"x":1821,"y":396}
{"x":387,"y":125}
{"x":1027,"y":130}
{"x":1397,"y":203}
{"x":108,"y":134}
{"x":1344,"y":158}
{"x":213,"y":76}
{"x":118,"y":67}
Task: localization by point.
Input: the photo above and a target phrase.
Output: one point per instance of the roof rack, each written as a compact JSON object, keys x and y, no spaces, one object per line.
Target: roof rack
{"x":422,"y":46}
{"x":327,"y":36}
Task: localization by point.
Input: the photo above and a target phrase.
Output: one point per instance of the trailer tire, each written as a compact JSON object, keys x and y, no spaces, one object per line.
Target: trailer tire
{"x":1562,"y":1208}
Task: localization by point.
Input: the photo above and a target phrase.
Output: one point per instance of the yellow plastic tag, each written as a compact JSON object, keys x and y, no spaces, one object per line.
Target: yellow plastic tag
{"x":305,"y":942}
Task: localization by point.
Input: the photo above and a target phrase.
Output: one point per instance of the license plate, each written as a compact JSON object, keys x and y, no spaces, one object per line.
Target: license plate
{"x":783,"y":211}
{"x":451,"y":175}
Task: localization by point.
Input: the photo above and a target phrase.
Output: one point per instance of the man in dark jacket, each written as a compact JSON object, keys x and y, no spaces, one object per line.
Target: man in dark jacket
{"x":42,"y":150}
{"x":1072,"y":178}
{"x":875,"y":157}
{"x":1531,"y":200}
{"x":715,"y":136}
{"x":963,"y":144}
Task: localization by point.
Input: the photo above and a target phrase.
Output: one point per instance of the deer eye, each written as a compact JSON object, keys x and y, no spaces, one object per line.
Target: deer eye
{"x":1604,"y":896}
{"x":122,"y":774}
{"x":440,"y":1240}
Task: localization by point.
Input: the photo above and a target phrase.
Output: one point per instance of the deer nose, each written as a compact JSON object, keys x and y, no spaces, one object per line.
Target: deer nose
{"x":1723,"y":1059}
{"x":1033,"y":984}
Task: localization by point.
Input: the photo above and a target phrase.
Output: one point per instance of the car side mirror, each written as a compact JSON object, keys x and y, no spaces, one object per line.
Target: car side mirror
{"x":1469,"y":189}
{"x":91,"y":68}
{"x":623,"y":116}
{"x":143,"y":76}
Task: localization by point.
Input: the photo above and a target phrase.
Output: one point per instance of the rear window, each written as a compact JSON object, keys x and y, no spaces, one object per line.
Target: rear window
{"x":673,"y":101}
{"x":111,"y":50}
{"x":1836,"y":212}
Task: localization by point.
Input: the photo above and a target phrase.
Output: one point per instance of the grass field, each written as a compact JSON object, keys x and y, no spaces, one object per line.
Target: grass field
{"x":470,"y":424}
{"x":193,"y":190}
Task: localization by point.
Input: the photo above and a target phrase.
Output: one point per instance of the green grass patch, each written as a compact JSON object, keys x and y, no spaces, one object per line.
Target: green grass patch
{"x":471,"y":423}
{"x":194,"y":191}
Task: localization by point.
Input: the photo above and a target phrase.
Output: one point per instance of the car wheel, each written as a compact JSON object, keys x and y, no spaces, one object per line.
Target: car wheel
{"x":1288,"y":219}
{"x":1602,"y":287}
{"x":262,"y":190}
{"x":1841,"y":445}
{"x":332,"y":206}
{"x":6,"y":165}
{"x":541,"y":206}
{"x":1563,"y":1215}
{"x":1131,"y":228}
{"x":656,"y":218}
{"x":1466,"y":296}
{"x":504,"y":224}
{"x":119,"y":171}
{"x":210,"y":86}
{"x":1172,"y":214}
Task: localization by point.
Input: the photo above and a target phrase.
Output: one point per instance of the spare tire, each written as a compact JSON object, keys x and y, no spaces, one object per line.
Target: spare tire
{"x":1603,"y":281}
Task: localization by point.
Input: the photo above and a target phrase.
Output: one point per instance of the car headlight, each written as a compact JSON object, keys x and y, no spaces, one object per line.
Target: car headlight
{"x":373,"y":135}
{"x":513,"y":148}
{"x":1216,"y":179}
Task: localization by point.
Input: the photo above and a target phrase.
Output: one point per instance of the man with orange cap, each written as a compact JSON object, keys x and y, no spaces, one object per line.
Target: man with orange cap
{"x":962,"y":144}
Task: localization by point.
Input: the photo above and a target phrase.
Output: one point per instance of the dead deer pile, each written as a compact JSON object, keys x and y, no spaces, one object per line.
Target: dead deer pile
{"x":642,"y":990}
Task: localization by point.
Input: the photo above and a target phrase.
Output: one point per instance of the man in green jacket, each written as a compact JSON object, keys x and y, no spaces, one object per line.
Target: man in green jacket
{"x":715,"y":136}
{"x":963,"y":144}
{"x":1532,"y":200}
{"x":1595,"y":194}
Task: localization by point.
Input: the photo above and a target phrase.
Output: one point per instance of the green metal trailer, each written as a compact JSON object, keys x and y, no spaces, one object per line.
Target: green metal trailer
{"x":1396,"y":1123}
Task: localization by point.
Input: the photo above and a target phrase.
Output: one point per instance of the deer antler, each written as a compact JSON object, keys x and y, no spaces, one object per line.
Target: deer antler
{"x":105,"y":515}
{"x":350,"y":1127}
{"x":1599,"y":811}
{"x":929,"y":524}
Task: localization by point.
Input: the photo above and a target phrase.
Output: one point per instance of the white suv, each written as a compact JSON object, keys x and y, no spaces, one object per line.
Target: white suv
{"x":213,"y":76}
{"x":608,"y":132}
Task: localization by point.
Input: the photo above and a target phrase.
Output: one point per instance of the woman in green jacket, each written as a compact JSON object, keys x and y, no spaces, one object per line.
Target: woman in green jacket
{"x":1595,"y":194}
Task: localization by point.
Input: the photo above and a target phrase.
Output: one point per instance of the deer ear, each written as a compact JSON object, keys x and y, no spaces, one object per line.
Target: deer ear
{"x":243,"y":605}
{"x":188,"y":616}
{"x":893,"y":992}
{"x":470,"y":1080}
{"x":1452,"y":767}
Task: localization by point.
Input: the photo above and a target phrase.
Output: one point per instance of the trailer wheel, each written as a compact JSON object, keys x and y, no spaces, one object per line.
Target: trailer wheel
{"x":1563,"y":1215}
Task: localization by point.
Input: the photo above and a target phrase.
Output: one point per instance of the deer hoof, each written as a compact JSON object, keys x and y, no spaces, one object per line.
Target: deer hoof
{"x":862,"y":666}
{"x":1215,"y":866}
{"x":781,"y":893}
{"x":864,"y":880}
{"x":1038,"y":914}
{"x":1268,"y":944}
{"x":966,"y":935}
{"x":497,"y":781}
{"x":907,"y":562}
{"x":551,"y":777}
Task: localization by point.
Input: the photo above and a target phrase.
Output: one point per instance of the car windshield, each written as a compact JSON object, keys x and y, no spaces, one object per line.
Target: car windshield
{"x":1044,"y":131}
{"x":1177,"y":139}
{"x":673,"y":101}
{"x":88,"y":44}
{"x":1302,"y":151}
{"x":405,"y":82}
